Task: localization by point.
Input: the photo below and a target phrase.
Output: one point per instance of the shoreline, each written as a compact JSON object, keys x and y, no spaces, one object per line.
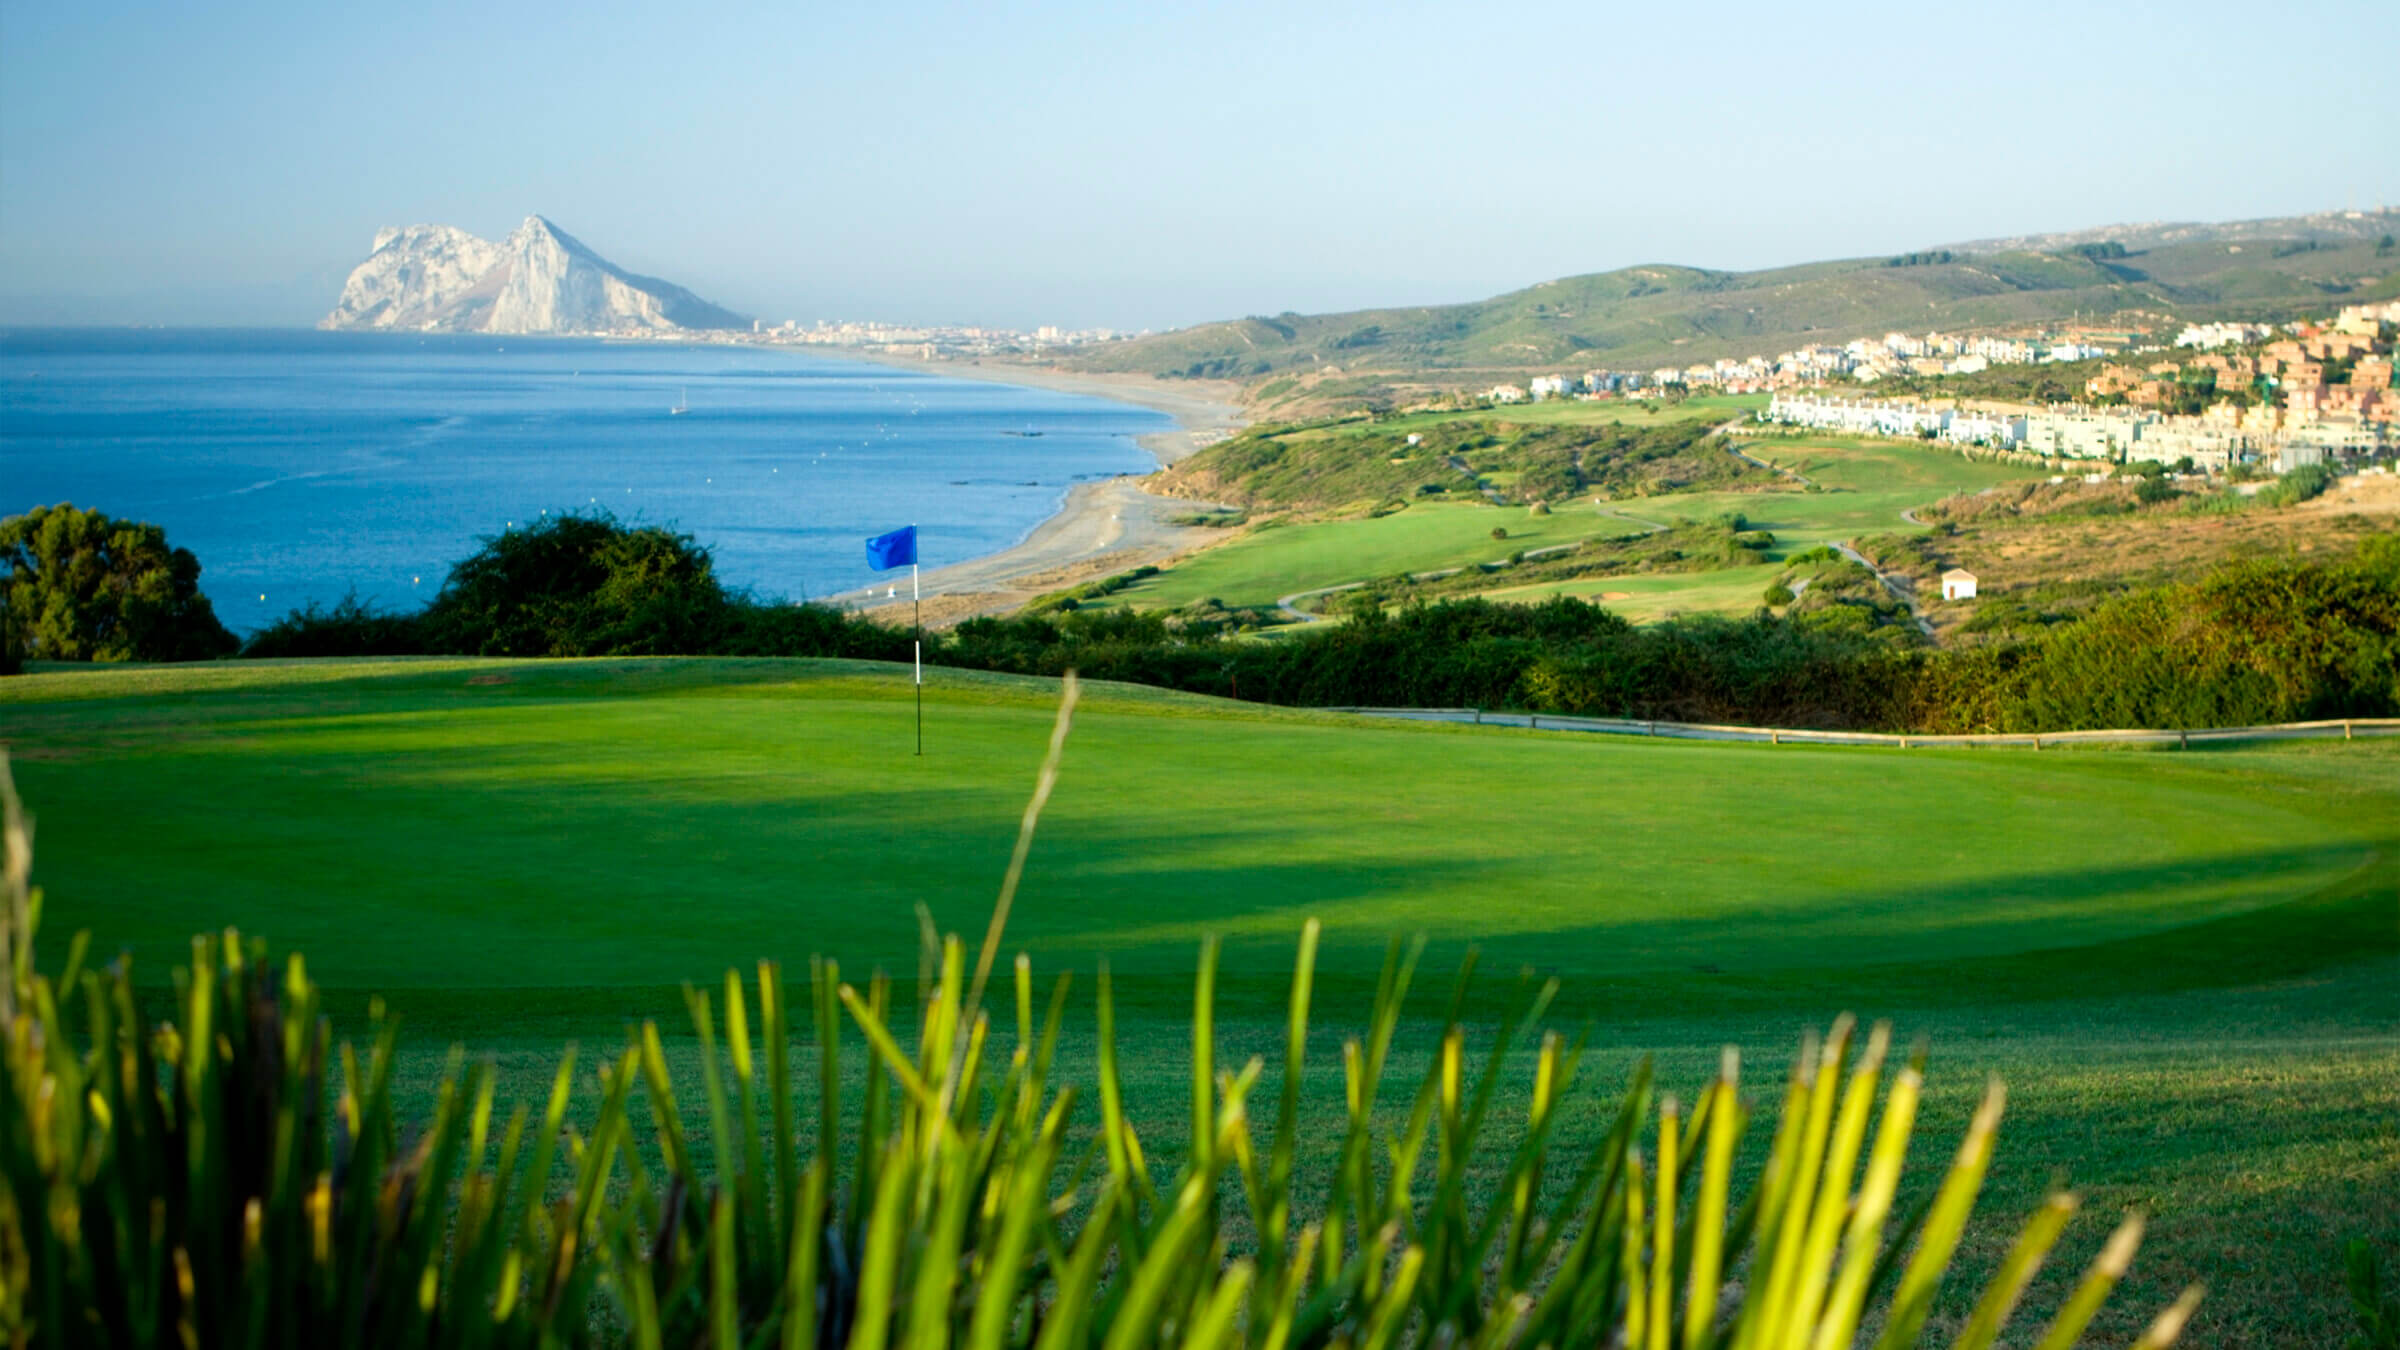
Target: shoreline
{"x":1102,"y":527}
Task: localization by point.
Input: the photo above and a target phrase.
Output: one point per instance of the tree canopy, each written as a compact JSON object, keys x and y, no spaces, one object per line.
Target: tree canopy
{"x":80,"y":586}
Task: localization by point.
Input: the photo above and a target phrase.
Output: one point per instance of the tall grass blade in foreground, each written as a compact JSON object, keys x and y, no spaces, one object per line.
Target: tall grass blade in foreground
{"x":217,"y":1180}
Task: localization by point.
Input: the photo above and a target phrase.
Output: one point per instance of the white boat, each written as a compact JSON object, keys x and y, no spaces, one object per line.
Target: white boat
{"x":682,"y":405}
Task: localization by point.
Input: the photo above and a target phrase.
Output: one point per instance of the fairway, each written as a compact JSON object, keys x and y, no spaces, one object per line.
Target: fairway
{"x":1866,"y":485}
{"x":540,"y":825}
{"x":1265,"y":564}
{"x":2186,"y":966}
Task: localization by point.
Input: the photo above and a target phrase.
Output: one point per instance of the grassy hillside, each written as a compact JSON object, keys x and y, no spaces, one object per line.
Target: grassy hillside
{"x":1517,"y":460}
{"x":2184,"y":964}
{"x":1866,"y":485}
{"x":1638,"y":317}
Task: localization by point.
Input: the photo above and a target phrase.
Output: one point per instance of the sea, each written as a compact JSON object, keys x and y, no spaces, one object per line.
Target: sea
{"x":301,"y":467}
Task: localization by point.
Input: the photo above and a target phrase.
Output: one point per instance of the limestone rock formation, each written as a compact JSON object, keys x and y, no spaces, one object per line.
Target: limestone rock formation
{"x":433,"y":278}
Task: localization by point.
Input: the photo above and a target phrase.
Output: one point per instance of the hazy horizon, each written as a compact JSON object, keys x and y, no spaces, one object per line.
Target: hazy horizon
{"x":1072,"y":165}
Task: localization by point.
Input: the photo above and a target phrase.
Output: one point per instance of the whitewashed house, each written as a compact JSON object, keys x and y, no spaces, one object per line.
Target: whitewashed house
{"x":1958,"y":584}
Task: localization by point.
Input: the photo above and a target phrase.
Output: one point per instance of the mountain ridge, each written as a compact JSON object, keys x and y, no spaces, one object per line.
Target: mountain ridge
{"x":1649,"y":315}
{"x":540,"y":280}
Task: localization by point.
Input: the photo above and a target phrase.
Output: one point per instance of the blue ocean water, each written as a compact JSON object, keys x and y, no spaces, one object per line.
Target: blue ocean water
{"x":300,"y":466}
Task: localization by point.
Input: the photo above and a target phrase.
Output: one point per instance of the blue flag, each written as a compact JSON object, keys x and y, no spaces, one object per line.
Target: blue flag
{"x":897,"y":549}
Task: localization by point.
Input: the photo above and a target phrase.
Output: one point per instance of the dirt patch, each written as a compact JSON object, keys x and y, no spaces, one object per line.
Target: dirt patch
{"x":497,"y":677}
{"x":2364,"y":494}
{"x":1616,"y":595}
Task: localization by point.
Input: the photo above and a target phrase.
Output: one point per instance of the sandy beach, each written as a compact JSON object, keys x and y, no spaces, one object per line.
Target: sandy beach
{"x":1101,"y":528}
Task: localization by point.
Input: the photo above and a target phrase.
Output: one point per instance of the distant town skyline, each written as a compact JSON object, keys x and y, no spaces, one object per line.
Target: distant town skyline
{"x":1073,"y":165}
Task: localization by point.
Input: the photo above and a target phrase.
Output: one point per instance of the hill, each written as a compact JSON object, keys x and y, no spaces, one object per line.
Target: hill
{"x":440,"y":279}
{"x":2323,"y":227}
{"x":1639,"y":317}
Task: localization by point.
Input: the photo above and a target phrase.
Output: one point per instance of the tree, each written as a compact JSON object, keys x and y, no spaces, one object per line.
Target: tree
{"x":79,"y":586}
{"x":580,"y":585}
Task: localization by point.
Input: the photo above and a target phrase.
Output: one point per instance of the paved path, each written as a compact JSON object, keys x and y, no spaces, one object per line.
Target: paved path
{"x":1730,"y":429}
{"x":2345,"y":729}
{"x":1459,"y":463}
{"x":1290,"y":604}
{"x":1902,"y":589}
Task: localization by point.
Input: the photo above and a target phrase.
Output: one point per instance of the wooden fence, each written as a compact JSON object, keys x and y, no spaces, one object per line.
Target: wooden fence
{"x":2346,"y":728}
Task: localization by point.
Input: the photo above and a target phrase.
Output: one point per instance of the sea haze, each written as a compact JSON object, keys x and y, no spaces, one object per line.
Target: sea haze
{"x":301,"y":466}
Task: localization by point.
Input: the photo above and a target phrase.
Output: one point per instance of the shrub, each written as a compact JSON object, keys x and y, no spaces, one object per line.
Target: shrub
{"x":351,"y":628}
{"x":2301,"y":484}
{"x":1778,"y":594}
{"x":579,"y":585}
{"x":79,"y":586}
{"x":213,"y":1182}
{"x":1499,"y":532}
{"x":2254,"y":642}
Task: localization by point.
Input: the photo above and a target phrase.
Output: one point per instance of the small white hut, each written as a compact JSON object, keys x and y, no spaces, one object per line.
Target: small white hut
{"x":1958,"y":584}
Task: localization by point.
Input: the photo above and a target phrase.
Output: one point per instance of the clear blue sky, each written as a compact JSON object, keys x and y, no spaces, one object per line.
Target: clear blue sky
{"x":1135,"y":166}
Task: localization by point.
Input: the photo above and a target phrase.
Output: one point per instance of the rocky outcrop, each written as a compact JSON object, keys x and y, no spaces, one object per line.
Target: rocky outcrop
{"x":433,"y":278}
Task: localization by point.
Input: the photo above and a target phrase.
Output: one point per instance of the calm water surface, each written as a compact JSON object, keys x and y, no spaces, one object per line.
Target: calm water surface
{"x":301,"y":465}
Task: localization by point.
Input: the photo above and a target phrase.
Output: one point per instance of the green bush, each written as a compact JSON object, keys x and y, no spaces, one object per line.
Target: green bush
{"x":217,"y":1180}
{"x":1778,"y":594}
{"x":579,"y":585}
{"x":351,"y":628}
{"x":79,"y":586}
{"x":2301,"y":484}
{"x":2254,"y":642}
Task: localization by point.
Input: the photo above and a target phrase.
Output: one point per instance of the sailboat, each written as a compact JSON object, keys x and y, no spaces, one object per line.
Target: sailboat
{"x":682,"y":405}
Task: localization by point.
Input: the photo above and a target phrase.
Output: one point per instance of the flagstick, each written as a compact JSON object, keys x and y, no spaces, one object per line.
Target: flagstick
{"x":917,"y":598}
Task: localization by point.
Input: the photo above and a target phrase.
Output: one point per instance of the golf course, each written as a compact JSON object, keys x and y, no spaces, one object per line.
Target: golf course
{"x":2186,"y":966}
{"x":1834,"y":489}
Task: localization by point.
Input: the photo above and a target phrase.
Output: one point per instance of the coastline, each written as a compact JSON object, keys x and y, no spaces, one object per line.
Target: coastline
{"x":1103,"y":527}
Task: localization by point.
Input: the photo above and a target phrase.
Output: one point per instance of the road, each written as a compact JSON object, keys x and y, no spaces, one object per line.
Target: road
{"x":1493,"y":493}
{"x":1901,"y":588}
{"x":1730,"y":429}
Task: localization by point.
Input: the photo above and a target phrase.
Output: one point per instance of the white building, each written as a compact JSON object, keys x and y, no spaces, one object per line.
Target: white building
{"x":2079,"y":433}
{"x":1547,"y":386}
{"x":1958,"y":584}
{"x":1505,"y":393}
{"x":1858,"y":416}
{"x":1970,"y":426}
{"x":2206,"y":335}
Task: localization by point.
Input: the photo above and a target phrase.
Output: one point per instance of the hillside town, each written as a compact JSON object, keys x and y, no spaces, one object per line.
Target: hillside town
{"x":2240,"y":395}
{"x":1863,"y":361}
{"x":926,"y":341}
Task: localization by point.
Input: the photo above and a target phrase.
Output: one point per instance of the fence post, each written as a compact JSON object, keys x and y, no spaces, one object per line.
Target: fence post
{"x":1774,"y":737}
{"x":2345,"y":731}
{"x":1479,"y":717}
{"x":1904,"y":742}
{"x":1533,"y":722}
{"x":2037,"y":742}
{"x":1654,"y":728}
{"x":2183,"y":739}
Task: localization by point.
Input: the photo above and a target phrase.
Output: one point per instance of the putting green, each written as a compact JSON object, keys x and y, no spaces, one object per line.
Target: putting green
{"x":638,"y":823}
